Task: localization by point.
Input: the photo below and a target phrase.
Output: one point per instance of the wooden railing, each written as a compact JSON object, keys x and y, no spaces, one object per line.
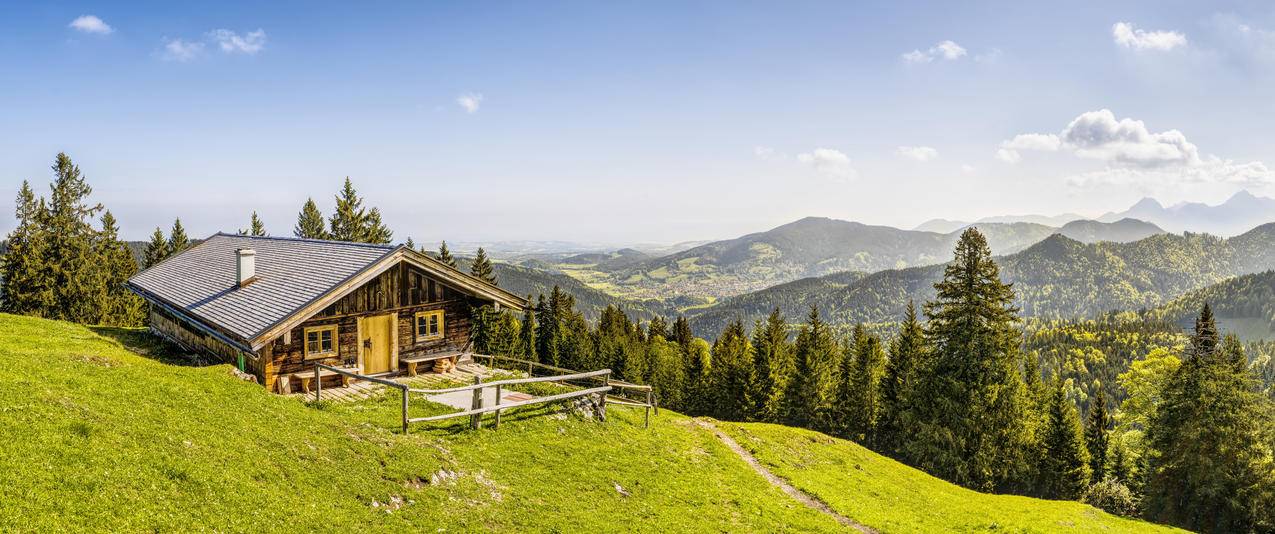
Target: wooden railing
{"x":477,"y":409}
{"x":650,"y":402}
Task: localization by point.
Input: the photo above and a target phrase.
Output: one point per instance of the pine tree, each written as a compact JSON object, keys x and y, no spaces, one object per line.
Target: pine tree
{"x":411,"y":245}
{"x":668,"y":375}
{"x":349,"y":220}
{"x":73,"y":268}
{"x":255,"y":227}
{"x":156,"y":249}
{"x":177,"y":239}
{"x":857,"y":401}
{"x":775,"y":366}
{"x":698,"y":363}
{"x":527,"y":333}
{"x":481,"y":268}
{"x":1063,"y":467}
{"x":375,"y":231}
{"x":445,"y":255}
{"x":681,"y":333}
{"x":1096,"y":435}
{"x":1208,"y":464}
{"x":310,"y":224}
{"x":548,"y":327}
{"x":731,"y":377}
{"x":117,"y":306}
{"x":907,"y":354}
{"x":24,"y":281}
{"x":971,"y":419}
{"x":806,"y":401}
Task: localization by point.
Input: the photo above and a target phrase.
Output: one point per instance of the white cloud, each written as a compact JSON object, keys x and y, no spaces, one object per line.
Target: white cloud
{"x":470,"y":101}
{"x":1130,"y":37}
{"x":917,"y":56}
{"x":1008,"y":156}
{"x":1133,"y":154}
{"x":233,"y":43}
{"x":948,"y":50}
{"x":828,"y":162}
{"x":91,"y":24}
{"x":968,"y":169}
{"x":182,"y":51}
{"x":918,"y":153}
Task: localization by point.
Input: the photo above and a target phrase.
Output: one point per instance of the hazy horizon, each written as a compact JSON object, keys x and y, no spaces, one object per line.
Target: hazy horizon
{"x":636,"y":124}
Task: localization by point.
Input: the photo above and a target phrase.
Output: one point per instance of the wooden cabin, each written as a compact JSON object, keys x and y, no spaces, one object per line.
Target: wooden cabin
{"x":275,"y":306}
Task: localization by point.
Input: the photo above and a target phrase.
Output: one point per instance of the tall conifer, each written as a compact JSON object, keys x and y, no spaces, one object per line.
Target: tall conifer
{"x":481,"y":267}
{"x":775,"y":365}
{"x":24,"y":276}
{"x":806,"y":401}
{"x":177,"y":239}
{"x":907,"y":354}
{"x":156,"y":249}
{"x":445,"y":255}
{"x":1063,"y":466}
{"x":310,"y":223}
{"x":1096,"y":435}
{"x":732,"y":374}
{"x":255,"y":227}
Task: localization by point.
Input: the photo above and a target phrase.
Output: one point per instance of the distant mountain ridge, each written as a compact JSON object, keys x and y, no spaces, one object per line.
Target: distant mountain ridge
{"x":1058,"y":277}
{"x":1242,"y":211}
{"x":815,"y":246}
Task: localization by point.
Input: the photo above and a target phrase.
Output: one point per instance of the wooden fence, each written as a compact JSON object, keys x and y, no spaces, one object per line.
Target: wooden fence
{"x":477,"y":409}
{"x":646,"y":393}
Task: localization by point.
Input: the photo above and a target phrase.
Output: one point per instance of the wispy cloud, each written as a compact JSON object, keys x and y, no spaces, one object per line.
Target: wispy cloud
{"x":947,"y":50}
{"x":181,"y":51}
{"x":917,"y":153}
{"x":233,"y":43}
{"x":470,"y":102}
{"x":91,"y":24}
{"x":829,"y":162}
{"x":1128,"y":36}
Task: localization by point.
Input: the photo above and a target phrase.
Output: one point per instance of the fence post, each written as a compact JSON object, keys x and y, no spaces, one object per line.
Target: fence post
{"x":647,"y":423}
{"x":318,"y":383}
{"x":476,"y":420}
{"x":404,"y":390}
{"x":602,"y":399}
{"x":498,"y":391}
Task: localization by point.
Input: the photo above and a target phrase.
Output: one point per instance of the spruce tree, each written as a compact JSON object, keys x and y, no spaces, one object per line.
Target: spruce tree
{"x":527,"y":333}
{"x":177,"y":239}
{"x":255,"y":227}
{"x":668,"y":375}
{"x":732,"y":374}
{"x":481,"y":267}
{"x":73,"y":270}
{"x":156,"y":249}
{"x":1096,"y":435}
{"x":1063,"y":464}
{"x":445,"y":255}
{"x":24,"y":277}
{"x":117,"y":306}
{"x":348,"y":221}
{"x":971,"y":417}
{"x":698,"y":362}
{"x":681,"y":333}
{"x":657,"y":327}
{"x":411,"y":245}
{"x":775,"y":366}
{"x":806,"y":401}
{"x":548,"y":327}
{"x":1208,"y":460}
{"x":907,"y":354}
{"x":857,"y":401}
{"x":310,"y":223}
{"x":375,"y":231}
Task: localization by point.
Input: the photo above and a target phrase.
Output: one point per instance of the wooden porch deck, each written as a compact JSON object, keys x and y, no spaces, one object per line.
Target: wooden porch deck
{"x":463,"y":373}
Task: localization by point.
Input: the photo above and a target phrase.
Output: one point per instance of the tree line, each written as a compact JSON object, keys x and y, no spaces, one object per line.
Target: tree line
{"x":957,"y":396}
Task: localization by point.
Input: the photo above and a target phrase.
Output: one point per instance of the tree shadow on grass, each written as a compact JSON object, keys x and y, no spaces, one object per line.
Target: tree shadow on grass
{"x":143,"y":343}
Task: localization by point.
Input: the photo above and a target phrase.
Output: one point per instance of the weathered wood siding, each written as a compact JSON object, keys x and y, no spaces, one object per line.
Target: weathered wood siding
{"x":192,"y":339}
{"x":402,"y":289}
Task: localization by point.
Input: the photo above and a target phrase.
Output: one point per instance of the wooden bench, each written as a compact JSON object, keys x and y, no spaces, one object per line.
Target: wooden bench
{"x":416,"y":359}
{"x":306,"y":377}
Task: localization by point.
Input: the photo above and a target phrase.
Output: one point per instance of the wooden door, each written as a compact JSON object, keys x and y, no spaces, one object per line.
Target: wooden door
{"x":378,"y":339}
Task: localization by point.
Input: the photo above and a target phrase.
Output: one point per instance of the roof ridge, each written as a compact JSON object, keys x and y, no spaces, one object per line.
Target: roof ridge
{"x":308,"y":240}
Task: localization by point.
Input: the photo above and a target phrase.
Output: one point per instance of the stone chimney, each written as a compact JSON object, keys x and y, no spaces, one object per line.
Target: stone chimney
{"x":245,"y":266}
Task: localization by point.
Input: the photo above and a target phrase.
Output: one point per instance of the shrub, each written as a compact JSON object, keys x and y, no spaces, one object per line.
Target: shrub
{"x":1113,"y":497}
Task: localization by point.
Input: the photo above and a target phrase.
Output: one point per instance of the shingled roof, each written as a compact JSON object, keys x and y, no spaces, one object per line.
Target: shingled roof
{"x":291,"y":275}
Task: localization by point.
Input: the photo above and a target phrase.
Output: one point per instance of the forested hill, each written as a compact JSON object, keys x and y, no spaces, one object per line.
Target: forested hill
{"x":1056,"y":278}
{"x":1244,"y":305}
{"x":525,"y":281}
{"x":816,"y":246}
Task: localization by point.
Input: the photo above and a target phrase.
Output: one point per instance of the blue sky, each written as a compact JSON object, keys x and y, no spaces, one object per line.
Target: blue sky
{"x":636,"y":121}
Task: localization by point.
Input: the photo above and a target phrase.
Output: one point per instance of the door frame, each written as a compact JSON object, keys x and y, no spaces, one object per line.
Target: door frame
{"x":358,"y":341}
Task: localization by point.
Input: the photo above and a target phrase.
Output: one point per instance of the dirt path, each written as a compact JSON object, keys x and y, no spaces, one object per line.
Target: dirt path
{"x":775,"y":480}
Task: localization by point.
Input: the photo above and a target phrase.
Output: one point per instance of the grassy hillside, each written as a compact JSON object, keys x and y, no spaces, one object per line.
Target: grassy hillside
{"x":99,"y":437}
{"x":892,"y":497}
{"x":1056,"y":278}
